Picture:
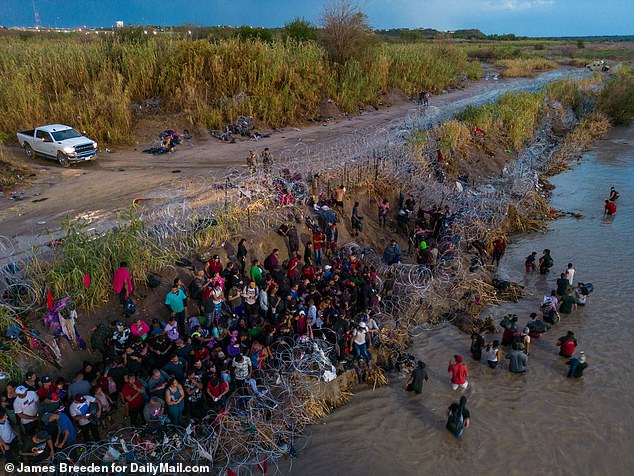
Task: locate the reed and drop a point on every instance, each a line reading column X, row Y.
column 93, row 83
column 524, row 68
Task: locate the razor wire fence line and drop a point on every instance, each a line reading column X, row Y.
column 271, row 422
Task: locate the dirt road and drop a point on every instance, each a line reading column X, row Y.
column 99, row 189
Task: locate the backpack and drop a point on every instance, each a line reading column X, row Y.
column 568, row 347
column 130, row 307
column 548, row 262
column 455, row 423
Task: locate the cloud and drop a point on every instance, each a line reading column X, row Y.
column 515, row 5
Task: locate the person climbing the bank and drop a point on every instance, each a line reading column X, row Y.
column 384, row 208
column 577, row 365
column 545, row 262
column 392, row 253
column 614, row 195
column 499, row 250
column 459, row 373
column 458, row 417
column 340, row 194
column 567, row 344
column 356, row 220
column 529, row 262
column 359, row 340
column 609, row 208
column 417, row 378
column 122, row 283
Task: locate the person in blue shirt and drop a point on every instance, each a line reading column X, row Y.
column 175, row 302
column 60, row 425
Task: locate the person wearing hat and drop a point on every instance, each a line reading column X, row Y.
column 459, row 373
column 359, row 341
column 84, row 410
column 39, row 447
column 59, row 424
column 577, row 365
column 48, row 395
column 26, row 406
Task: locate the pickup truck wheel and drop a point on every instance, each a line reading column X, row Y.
column 28, row 151
column 62, row 159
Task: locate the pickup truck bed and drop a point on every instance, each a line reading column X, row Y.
column 30, row 133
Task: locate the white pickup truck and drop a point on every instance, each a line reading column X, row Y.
column 58, row 142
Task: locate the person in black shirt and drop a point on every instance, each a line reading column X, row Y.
column 40, row 447
column 562, row 285
column 416, row 380
column 458, row 417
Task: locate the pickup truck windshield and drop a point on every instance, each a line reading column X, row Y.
column 67, row 134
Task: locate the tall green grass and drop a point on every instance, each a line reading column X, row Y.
column 92, row 84
column 513, row 118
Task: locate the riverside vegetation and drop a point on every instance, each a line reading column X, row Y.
column 278, row 82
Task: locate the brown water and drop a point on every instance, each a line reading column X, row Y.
column 533, row 424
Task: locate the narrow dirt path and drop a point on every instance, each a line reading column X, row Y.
column 99, row 189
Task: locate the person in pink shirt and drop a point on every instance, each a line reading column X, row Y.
column 122, row 282
column 459, row 373
column 140, row 328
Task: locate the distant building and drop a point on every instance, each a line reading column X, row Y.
column 118, row 24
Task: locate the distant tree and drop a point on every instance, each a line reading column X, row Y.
column 299, row 30
column 250, row 33
column 346, row 31
column 581, row 43
column 411, row 35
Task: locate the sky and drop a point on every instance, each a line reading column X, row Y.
column 522, row 17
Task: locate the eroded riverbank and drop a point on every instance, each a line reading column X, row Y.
column 539, row 423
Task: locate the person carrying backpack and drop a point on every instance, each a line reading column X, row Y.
column 458, row 417
column 545, row 262
column 567, row 344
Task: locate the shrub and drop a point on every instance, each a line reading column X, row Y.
column 515, row 68
column 299, row 30
column 617, row 99
column 345, row 31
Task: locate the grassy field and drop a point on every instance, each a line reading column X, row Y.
column 93, row 83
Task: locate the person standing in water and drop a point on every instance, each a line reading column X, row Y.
column 577, row 365
column 458, row 417
column 477, row 342
column 459, row 373
column 609, row 208
column 545, row 262
column 614, row 195
column 529, row 262
column 570, row 273
column 416, row 380
column 493, row 354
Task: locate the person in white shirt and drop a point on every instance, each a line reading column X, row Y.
column 8, row 440
column 26, row 406
column 85, row 416
column 570, row 273
column 359, row 341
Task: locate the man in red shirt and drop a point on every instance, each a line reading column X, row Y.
column 214, row 266
column 122, row 282
column 499, row 250
column 318, row 244
column 293, row 269
column 610, row 208
column 132, row 393
column 217, row 389
column 459, row 373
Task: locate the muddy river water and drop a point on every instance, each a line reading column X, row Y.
column 540, row 423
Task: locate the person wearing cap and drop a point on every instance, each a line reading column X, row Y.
column 39, row 447
column 26, row 407
column 84, row 413
column 59, row 425
column 577, row 365
column 359, row 341
column 8, row 438
column 459, row 373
